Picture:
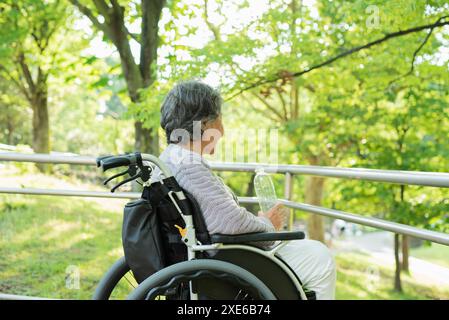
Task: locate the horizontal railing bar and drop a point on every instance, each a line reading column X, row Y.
column 350, row 217
column 430, row 179
column 433, row 236
column 5, row 296
column 420, row 178
column 71, row 193
column 46, row 158
column 395, row 227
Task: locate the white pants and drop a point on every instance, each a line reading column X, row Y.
column 314, row 264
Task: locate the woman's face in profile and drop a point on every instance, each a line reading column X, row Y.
column 213, row 131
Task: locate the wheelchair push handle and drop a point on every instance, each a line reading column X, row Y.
column 110, row 162
column 135, row 161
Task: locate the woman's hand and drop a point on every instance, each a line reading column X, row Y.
column 277, row 215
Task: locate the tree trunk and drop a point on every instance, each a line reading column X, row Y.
column 137, row 76
column 397, row 273
column 41, row 124
column 405, row 253
column 146, row 140
column 149, row 42
column 314, row 195
column 10, row 126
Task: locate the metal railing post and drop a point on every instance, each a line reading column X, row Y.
column 288, row 187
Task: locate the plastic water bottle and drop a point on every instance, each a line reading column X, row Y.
column 265, row 191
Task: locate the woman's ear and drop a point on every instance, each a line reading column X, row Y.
column 210, row 139
column 212, row 131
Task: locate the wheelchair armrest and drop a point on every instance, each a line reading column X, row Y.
column 254, row 237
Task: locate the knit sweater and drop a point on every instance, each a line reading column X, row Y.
column 219, row 206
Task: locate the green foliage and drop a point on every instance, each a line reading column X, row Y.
column 148, row 109
column 39, row 30
column 384, row 107
column 14, row 127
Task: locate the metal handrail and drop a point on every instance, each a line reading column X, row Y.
column 429, row 179
column 433, row 236
column 420, row 178
column 433, row 179
column 6, row 296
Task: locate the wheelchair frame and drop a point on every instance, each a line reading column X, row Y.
column 270, row 254
column 194, row 246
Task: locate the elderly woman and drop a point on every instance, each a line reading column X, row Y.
column 191, row 118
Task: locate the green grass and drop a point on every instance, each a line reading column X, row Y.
column 436, row 253
column 42, row 237
column 360, row 276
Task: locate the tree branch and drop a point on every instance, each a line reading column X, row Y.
column 294, row 104
column 284, row 106
column 114, row 28
column 389, row 36
column 89, row 14
column 271, row 108
column 103, row 8
column 115, row 5
column 251, row 104
column 18, row 83
column 215, row 30
column 135, row 36
column 48, row 32
column 26, row 72
column 412, row 66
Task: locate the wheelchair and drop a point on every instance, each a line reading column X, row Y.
column 214, row 266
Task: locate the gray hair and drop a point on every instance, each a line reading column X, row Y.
column 187, row 102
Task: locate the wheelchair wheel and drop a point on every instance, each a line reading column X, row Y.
column 170, row 279
column 118, row 273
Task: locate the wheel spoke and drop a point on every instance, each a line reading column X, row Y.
column 130, row 283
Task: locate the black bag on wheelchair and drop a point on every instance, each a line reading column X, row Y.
column 141, row 238
column 150, row 235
